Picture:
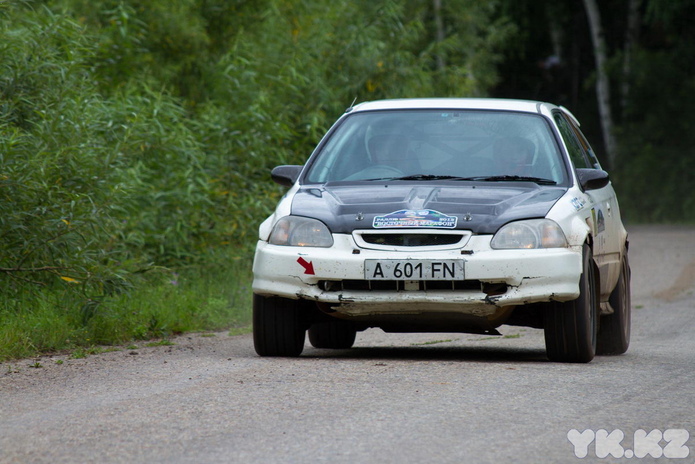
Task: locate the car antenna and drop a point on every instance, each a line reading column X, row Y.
column 351, row 105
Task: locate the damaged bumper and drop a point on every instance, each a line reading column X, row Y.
column 492, row 279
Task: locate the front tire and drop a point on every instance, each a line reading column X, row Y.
column 571, row 327
column 614, row 332
column 278, row 327
column 332, row 334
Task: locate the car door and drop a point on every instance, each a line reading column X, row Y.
column 603, row 215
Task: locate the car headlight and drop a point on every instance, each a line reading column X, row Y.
column 533, row 233
column 301, row 231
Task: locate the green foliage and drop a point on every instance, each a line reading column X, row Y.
column 91, row 188
column 656, row 171
column 53, row 205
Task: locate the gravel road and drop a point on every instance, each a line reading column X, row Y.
column 393, row 398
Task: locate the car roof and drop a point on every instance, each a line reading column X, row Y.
column 500, row 104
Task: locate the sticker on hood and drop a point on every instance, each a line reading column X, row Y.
column 415, row 218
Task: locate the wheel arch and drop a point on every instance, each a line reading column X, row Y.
column 597, row 271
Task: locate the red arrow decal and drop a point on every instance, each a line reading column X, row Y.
column 307, row 265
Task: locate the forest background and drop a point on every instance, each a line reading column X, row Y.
column 136, row 138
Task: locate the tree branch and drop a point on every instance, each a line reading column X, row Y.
column 30, row 269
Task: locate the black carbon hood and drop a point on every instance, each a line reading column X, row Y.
column 480, row 207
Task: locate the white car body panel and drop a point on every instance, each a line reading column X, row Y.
column 531, row 276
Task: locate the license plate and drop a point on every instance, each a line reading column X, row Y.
column 413, row 269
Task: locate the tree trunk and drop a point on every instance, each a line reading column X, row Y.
column 633, row 22
column 602, row 83
column 439, row 25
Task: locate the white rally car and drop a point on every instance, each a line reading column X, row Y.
column 445, row 215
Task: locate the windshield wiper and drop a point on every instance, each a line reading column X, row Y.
column 506, row 178
column 377, row 178
column 420, row 177
column 426, row 177
column 537, row 180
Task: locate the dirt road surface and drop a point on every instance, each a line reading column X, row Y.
column 393, row 398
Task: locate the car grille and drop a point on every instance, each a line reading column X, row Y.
column 412, row 240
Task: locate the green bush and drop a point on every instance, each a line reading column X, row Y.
column 54, row 204
column 656, row 171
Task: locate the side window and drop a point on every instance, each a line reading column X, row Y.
column 587, row 148
column 577, row 152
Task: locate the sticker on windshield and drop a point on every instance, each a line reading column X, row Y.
column 415, row 218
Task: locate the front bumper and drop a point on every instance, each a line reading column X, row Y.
column 494, row 279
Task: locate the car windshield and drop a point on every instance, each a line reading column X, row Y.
column 452, row 145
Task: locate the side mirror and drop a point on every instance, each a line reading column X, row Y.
column 592, row 179
column 286, row 175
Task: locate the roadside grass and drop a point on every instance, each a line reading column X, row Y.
column 503, row 337
column 198, row 298
column 432, row 342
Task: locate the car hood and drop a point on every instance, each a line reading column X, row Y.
column 480, row 207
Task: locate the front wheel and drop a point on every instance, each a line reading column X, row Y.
column 571, row 327
column 332, row 334
column 614, row 332
column 278, row 327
